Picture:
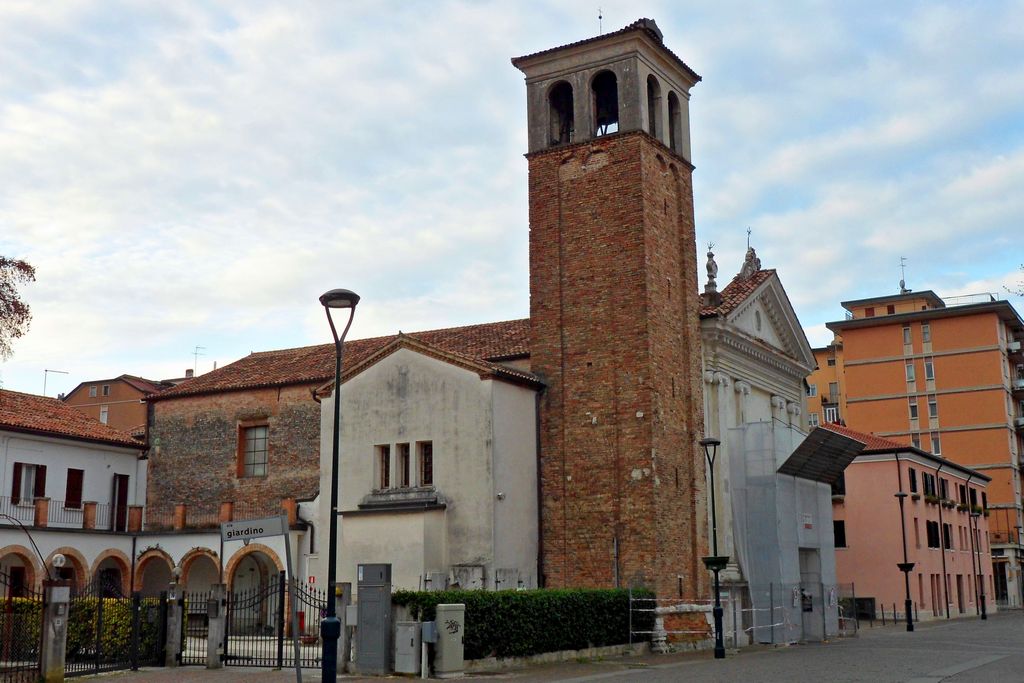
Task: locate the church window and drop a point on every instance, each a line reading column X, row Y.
column 403, row 465
column 383, row 467
column 653, row 106
column 606, row 103
column 757, row 320
column 426, row 458
column 560, row 113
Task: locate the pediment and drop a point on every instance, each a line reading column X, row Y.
column 768, row 317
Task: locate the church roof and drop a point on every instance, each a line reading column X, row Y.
column 51, row 417
column 488, row 342
column 647, row 26
column 736, row 292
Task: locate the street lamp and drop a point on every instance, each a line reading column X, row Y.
column 905, row 566
column 330, row 626
column 715, row 562
column 974, row 518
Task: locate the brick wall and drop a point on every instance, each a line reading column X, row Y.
column 196, row 461
column 615, row 335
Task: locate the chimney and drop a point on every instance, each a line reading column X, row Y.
column 189, row 373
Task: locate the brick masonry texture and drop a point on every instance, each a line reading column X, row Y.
column 615, row 335
column 196, row 460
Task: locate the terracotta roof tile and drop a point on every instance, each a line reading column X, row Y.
column 315, row 364
column 736, row 292
column 870, row 441
column 51, row 417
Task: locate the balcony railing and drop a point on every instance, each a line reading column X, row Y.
column 59, row 514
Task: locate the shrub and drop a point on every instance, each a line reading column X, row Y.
column 520, row 623
column 116, row 629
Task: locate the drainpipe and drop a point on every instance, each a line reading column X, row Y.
column 540, row 494
column 942, row 541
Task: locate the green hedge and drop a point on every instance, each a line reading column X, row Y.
column 116, row 634
column 24, row 623
column 520, row 623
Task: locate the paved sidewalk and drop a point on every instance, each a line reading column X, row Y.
column 960, row 650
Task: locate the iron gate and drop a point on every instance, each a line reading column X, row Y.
column 258, row 630
column 21, row 623
column 108, row 631
column 195, row 627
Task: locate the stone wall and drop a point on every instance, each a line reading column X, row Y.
column 194, row 450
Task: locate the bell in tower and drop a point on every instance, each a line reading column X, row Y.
column 618, row 82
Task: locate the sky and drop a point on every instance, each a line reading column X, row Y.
column 196, row 174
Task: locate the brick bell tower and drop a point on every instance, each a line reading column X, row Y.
column 615, row 313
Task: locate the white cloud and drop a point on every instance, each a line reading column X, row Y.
column 198, row 173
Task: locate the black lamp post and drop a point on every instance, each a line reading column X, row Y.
column 330, row 626
column 715, row 562
column 905, row 566
column 974, row 518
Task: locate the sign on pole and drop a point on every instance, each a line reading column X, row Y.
column 248, row 529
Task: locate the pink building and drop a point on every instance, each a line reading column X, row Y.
column 947, row 556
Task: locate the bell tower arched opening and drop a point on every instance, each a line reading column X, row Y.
column 605, row 89
column 560, row 114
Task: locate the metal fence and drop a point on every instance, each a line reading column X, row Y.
column 779, row 614
column 108, row 630
column 21, row 619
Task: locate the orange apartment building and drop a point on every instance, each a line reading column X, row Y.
column 118, row 401
column 943, row 376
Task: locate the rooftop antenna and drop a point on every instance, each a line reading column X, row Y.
column 46, row 374
column 903, row 275
column 600, row 25
column 748, row 237
column 195, row 357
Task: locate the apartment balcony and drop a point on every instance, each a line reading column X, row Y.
column 47, row 513
column 1018, row 422
column 1017, row 384
column 42, row 512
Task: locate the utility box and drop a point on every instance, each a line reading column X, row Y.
column 448, row 653
column 373, row 633
column 407, row 647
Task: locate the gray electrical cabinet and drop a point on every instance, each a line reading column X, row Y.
column 407, row 647
column 373, row 633
column 451, row 629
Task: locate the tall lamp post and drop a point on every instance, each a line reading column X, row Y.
column 715, row 562
column 974, row 518
column 330, row 627
column 905, row 566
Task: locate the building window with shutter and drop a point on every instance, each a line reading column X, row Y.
column 912, row 474
column 73, row 493
column 104, row 414
column 28, row 482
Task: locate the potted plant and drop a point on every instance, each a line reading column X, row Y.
column 915, row 496
column 930, row 499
